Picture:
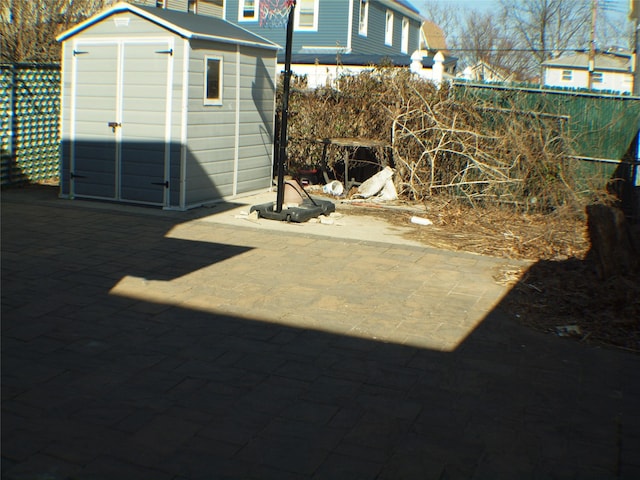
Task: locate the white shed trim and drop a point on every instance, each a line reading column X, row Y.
column 184, row 109
column 167, row 125
column 236, row 143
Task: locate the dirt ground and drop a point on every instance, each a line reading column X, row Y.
column 561, row 294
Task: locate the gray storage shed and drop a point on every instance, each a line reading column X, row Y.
column 165, row 108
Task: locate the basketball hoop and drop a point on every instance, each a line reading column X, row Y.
column 275, row 13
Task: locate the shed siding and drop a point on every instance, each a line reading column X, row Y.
column 141, row 88
column 212, row 129
column 226, row 148
column 256, row 120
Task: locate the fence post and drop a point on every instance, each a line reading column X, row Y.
column 12, row 123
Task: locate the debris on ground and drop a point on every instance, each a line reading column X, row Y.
column 421, row 221
column 562, row 285
column 380, row 185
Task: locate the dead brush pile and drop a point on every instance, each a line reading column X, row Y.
column 442, row 146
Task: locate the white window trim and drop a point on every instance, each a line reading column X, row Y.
column 404, row 44
column 241, row 9
column 566, row 75
column 213, row 101
column 388, row 28
column 296, row 18
column 597, row 77
column 363, row 17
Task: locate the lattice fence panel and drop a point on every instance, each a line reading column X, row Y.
column 29, row 117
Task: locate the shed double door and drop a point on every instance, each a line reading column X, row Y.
column 121, row 120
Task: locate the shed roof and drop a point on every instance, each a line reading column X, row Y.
column 185, row 24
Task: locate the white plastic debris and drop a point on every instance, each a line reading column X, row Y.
column 373, row 185
column 388, row 192
column 334, row 188
column 421, row 221
column 252, row 217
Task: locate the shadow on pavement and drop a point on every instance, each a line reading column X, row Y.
column 100, row 386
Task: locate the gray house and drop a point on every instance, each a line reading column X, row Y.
column 165, row 108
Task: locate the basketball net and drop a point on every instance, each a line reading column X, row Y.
column 275, row 13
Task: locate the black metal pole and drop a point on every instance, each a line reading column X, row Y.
column 282, row 147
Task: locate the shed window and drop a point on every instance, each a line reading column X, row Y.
column 597, row 77
column 306, row 15
column 388, row 28
column 404, row 46
column 567, row 75
column 248, row 10
column 213, row 81
column 364, row 17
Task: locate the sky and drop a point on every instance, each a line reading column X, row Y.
column 488, row 5
column 616, row 11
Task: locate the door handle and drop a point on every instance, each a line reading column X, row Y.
column 113, row 126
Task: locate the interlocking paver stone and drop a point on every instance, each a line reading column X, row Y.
column 141, row 344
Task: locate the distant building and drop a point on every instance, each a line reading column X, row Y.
column 612, row 71
column 484, row 72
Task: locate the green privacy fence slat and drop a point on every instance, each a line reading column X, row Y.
column 29, row 121
column 603, row 126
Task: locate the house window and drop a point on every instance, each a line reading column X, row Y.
column 597, row 77
column 306, row 15
column 160, row 3
column 388, row 28
column 248, row 10
column 191, row 6
column 213, row 81
column 364, row 17
column 404, row 46
column 567, row 75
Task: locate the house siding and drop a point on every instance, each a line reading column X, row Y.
column 333, row 29
column 374, row 42
column 611, row 81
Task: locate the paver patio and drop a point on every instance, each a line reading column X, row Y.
column 143, row 344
